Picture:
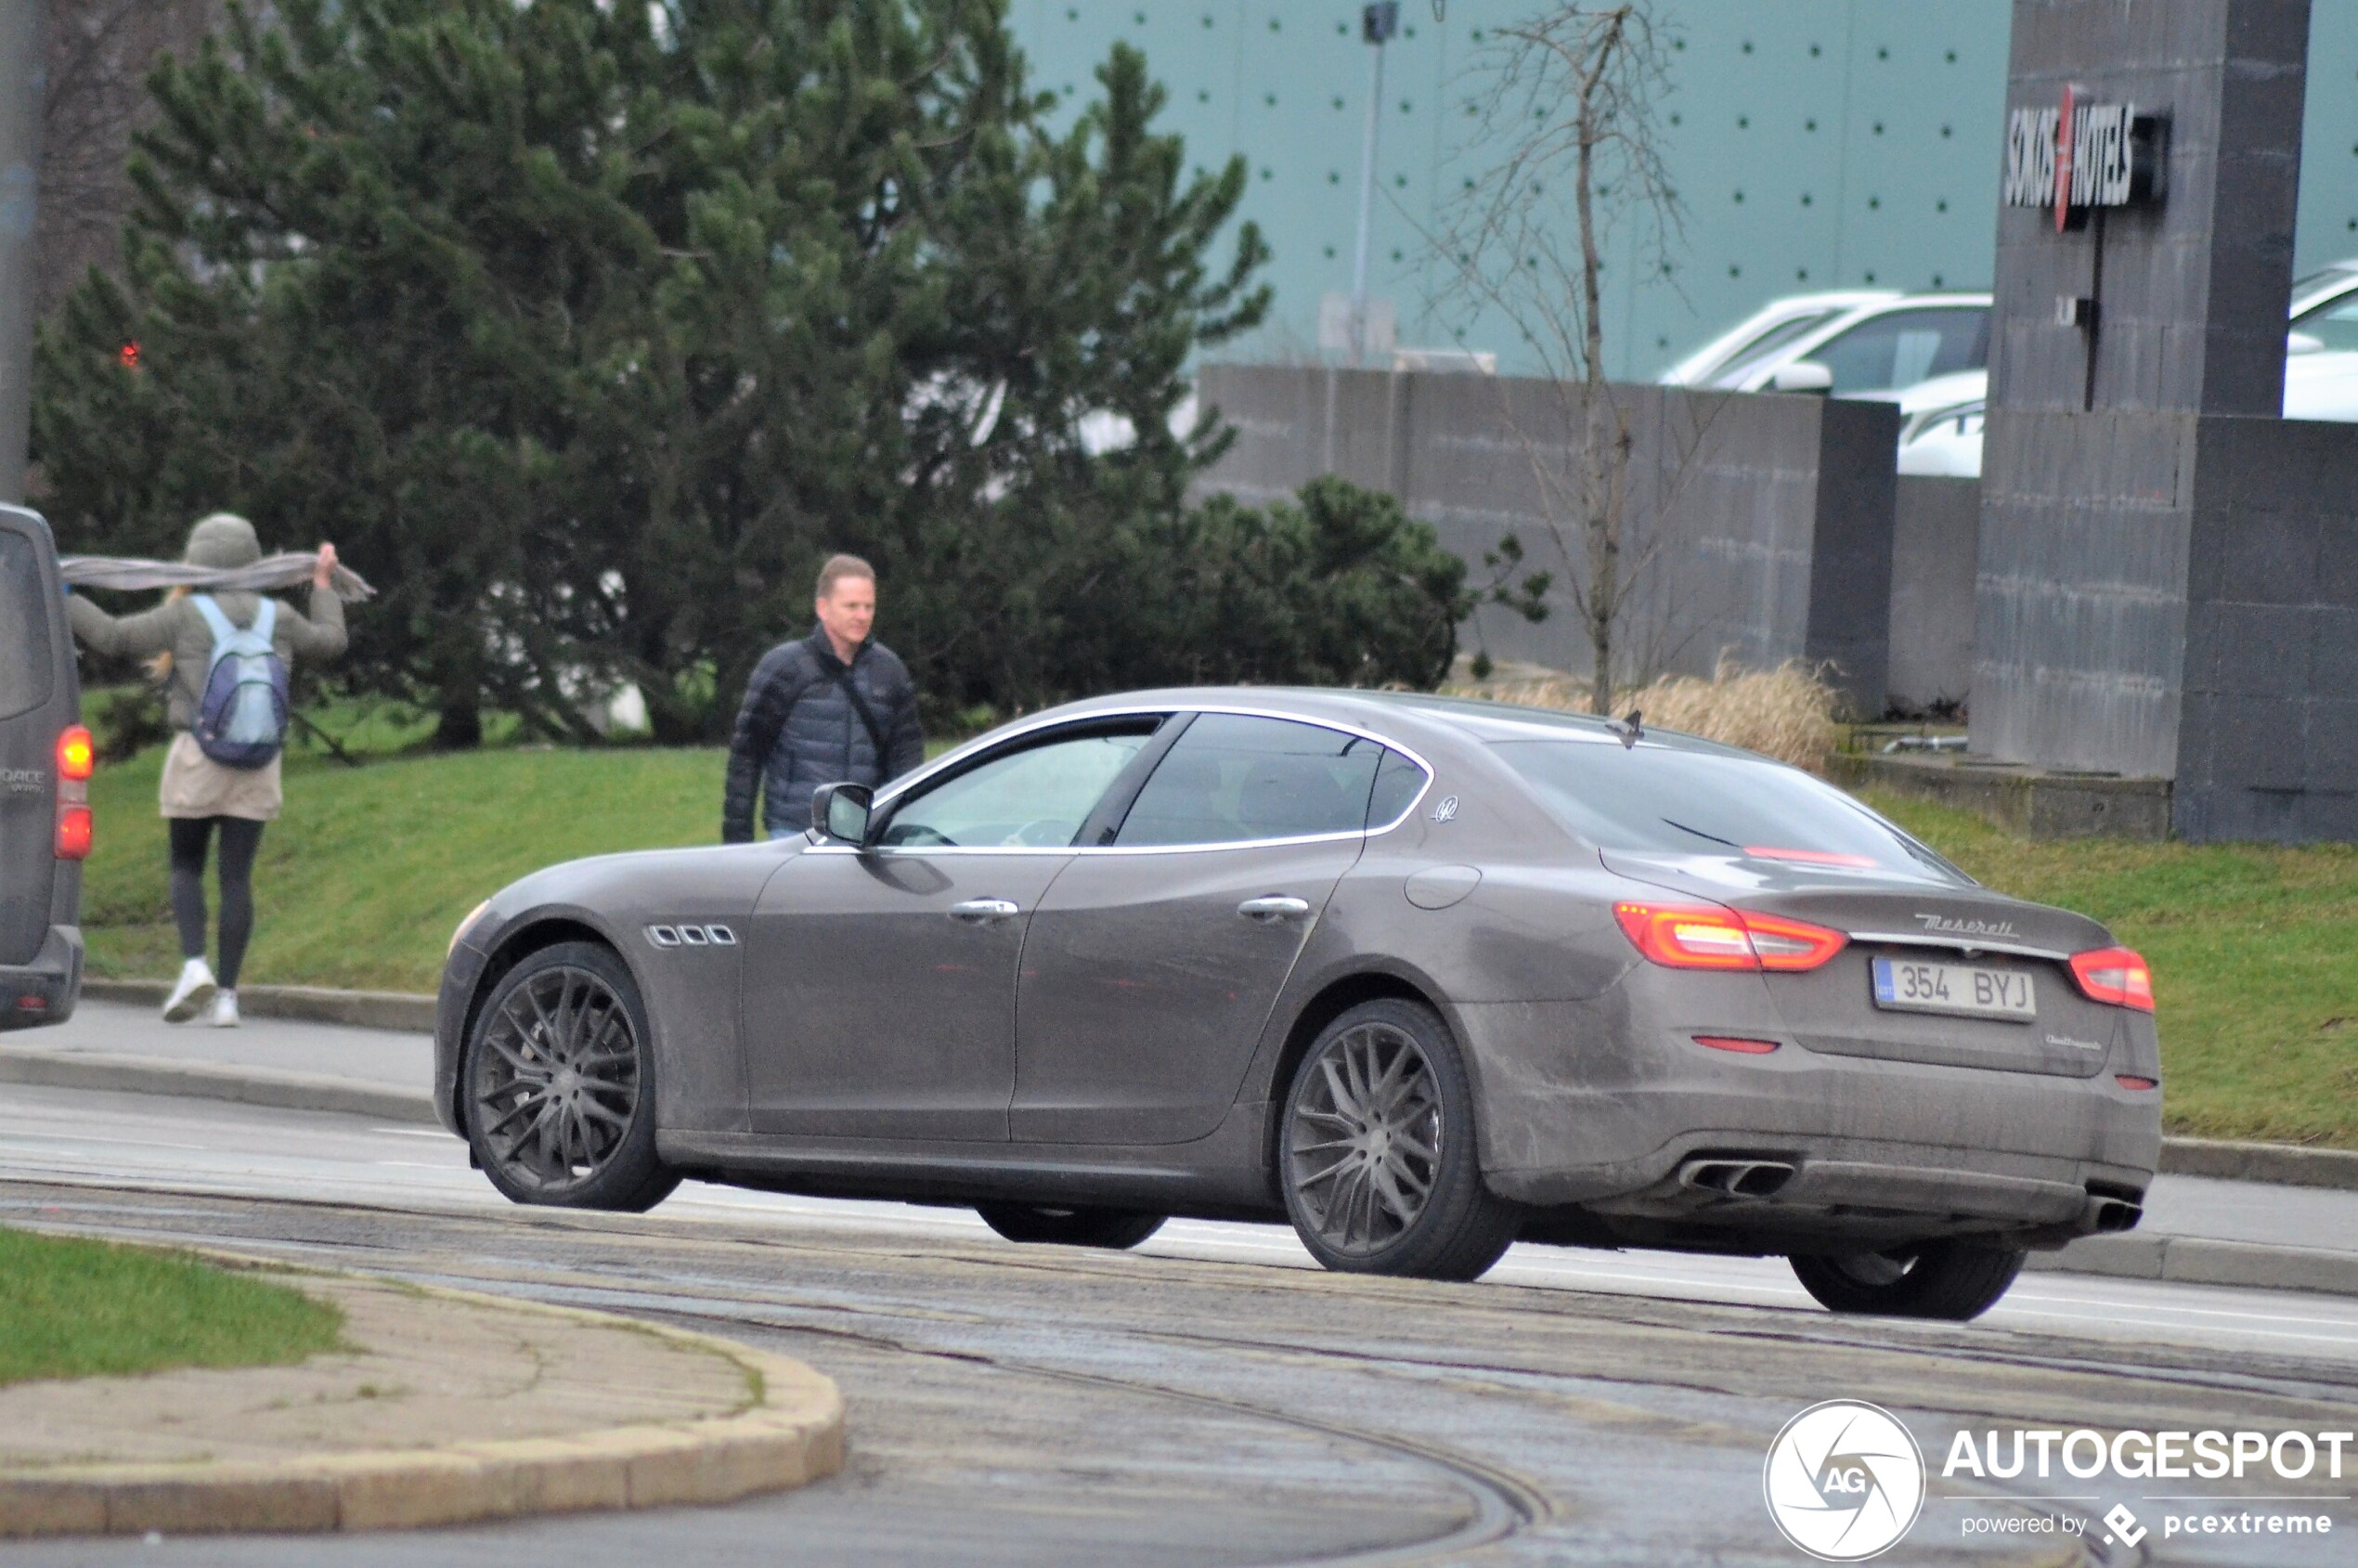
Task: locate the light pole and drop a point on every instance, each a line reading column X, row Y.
column 23, row 80
column 1377, row 22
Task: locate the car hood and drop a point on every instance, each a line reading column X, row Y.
column 1867, row 906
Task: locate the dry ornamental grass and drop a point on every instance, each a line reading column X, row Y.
column 1787, row 713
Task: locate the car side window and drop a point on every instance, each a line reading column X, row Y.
column 1905, row 347
column 1397, row 781
column 1037, row 798
column 1233, row 779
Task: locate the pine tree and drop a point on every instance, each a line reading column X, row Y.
column 589, row 331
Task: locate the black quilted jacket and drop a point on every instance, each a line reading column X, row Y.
column 797, row 731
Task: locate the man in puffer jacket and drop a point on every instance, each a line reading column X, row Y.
column 834, row 707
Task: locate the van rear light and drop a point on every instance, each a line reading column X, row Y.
column 2135, row 1080
column 73, row 833
column 2116, row 975
column 1710, row 936
column 76, row 756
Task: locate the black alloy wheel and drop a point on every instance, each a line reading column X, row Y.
column 1114, row 1229
column 1952, row 1280
column 1377, row 1155
column 558, row 1094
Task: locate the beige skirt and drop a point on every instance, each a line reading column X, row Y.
column 195, row 785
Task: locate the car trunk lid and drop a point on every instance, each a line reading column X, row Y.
column 1833, row 1009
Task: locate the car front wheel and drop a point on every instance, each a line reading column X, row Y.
column 1953, row 1280
column 1376, row 1153
column 559, row 1093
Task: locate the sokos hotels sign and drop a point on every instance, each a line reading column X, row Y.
column 2078, row 156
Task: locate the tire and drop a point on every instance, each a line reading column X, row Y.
column 1392, row 1186
column 1114, row 1229
column 543, row 1129
column 1952, row 1280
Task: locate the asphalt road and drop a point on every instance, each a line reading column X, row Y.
column 1212, row 1398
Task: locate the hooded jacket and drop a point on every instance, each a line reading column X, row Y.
column 797, row 730
column 178, row 628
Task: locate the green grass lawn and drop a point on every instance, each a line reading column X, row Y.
column 362, row 880
column 71, row 1308
column 2255, row 966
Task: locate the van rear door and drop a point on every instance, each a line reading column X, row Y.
column 40, row 700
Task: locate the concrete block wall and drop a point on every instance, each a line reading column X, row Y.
column 1762, row 524
column 2269, row 742
column 1936, row 526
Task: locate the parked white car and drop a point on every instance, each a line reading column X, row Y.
column 1940, row 422
column 1878, row 344
column 1771, row 328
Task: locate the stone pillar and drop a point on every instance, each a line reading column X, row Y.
column 2133, row 505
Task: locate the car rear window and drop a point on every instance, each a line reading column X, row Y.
column 25, row 627
column 1665, row 799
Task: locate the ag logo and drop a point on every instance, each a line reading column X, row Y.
column 1446, row 810
column 1844, row 1480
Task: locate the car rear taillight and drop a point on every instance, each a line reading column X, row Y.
column 73, row 833
column 77, row 759
column 2115, row 975
column 1709, row 936
column 2136, row 1081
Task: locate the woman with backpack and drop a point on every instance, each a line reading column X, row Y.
column 226, row 657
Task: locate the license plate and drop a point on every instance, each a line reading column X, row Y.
column 1908, row 986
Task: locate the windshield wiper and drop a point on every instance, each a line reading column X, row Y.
column 1701, row 834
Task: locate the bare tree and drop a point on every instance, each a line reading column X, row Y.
column 99, row 54
column 1569, row 102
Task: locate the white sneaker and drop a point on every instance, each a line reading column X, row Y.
column 191, row 995
column 225, row 1010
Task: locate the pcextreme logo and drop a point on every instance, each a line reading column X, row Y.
column 1844, row 1480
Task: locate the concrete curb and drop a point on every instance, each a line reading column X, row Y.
column 2285, row 1164
column 159, row 1075
column 792, row 1436
column 394, row 1010
column 2195, row 1260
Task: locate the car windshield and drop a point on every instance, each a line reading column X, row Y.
column 1906, row 347
column 1745, row 355
column 1671, row 800
column 2333, row 323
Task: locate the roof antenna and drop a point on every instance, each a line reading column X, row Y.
column 1628, row 729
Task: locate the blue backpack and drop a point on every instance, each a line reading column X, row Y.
column 242, row 719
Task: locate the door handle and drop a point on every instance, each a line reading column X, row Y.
column 981, row 911
column 1269, row 911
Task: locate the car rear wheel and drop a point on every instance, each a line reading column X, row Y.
column 1952, row 1279
column 560, row 1099
column 1376, row 1154
column 1114, row 1230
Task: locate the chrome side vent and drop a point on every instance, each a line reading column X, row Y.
column 691, row 936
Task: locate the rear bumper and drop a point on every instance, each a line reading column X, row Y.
column 1583, row 1106
column 46, row 990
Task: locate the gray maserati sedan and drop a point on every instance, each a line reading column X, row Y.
column 1419, row 976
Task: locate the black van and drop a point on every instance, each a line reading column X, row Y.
column 44, row 788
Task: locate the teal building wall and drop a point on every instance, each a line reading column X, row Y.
column 1815, row 144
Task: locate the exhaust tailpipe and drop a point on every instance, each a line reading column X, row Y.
column 1736, row 1178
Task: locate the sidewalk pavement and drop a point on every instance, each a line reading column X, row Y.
column 442, row 1407
column 2199, row 1229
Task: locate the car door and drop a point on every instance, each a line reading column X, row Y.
column 1152, row 964
column 879, row 990
column 40, row 881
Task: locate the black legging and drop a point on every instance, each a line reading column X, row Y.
column 239, row 840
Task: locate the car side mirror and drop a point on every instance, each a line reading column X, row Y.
column 1802, row 375
column 840, row 811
